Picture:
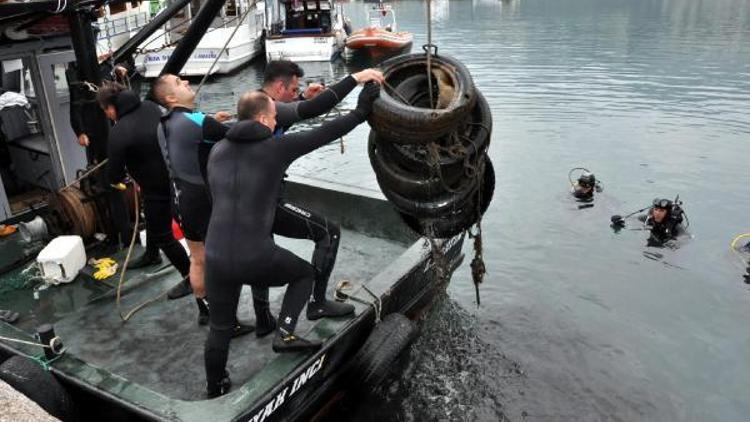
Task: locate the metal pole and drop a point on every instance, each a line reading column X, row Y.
column 192, row 37
column 159, row 20
column 87, row 65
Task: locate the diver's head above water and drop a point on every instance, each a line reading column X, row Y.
column 662, row 209
column 585, row 186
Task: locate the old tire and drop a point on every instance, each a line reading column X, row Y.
column 461, row 219
column 471, row 137
column 373, row 361
column 405, row 182
column 28, row 378
column 407, row 124
column 435, row 207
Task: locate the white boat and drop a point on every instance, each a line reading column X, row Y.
column 244, row 45
column 116, row 24
column 304, row 30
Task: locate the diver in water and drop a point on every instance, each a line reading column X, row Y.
column 583, row 189
column 665, row 221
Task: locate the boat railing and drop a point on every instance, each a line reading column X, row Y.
column 126, row 24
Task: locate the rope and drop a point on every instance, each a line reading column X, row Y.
column 429, row 52
column 218, row 56
column 478, row 269
column 340, row 296
column 398, row 94
column 85, row 175
column 147, row 302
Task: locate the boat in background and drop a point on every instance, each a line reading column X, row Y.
column 380, row 38
column 304, row 31
column 244, row 45
column 116, row 23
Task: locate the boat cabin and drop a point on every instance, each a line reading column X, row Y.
column 301, row 17
column 39, row 152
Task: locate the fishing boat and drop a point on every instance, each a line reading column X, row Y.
column 380, row 37
column 68, row 348
column 304, row 30
column 239, row 26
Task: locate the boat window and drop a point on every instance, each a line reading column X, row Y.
column 311, row 5
column 61, row 83
column 325, row 6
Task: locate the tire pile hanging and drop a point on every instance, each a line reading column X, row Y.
column 428, row 144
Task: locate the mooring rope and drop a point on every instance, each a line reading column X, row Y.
column 429, row 52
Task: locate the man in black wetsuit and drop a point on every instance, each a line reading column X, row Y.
column 665, row 221
column 281, row 83
column 185, row 138
column 133, row 146
column 245, row 173
column 584, row 188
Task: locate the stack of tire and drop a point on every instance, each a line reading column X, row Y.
column 430, row 154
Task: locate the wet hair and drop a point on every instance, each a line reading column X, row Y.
column 283, row 70
column 253, row 103
column 160, row 90
column 107, row 94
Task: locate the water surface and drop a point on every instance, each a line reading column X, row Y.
column 576, row 323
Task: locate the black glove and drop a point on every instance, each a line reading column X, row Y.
column 370, row 93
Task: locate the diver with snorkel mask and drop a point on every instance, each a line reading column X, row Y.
column 583, row 189
column 665, row 220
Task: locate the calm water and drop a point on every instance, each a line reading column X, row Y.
column 576, row 323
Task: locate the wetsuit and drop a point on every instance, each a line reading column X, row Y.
column 245, row 173
column 668, row 229
column 186, row 138
column 133, row 145
column 295, row 221
column 581, row 195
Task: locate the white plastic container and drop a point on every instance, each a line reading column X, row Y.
column 62, row 259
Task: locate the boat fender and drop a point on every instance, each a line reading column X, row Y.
column 39, row 385
column 373, row 361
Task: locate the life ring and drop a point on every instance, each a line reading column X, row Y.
column 453, row 90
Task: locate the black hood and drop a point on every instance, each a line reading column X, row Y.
column 126, row 102
column 248, row 131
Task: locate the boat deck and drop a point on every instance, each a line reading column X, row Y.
column 161, row 347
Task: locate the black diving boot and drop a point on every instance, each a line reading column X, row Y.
column 145, row 260
column 220, row 388
column 265, row 323
column 241, row 328
column 328, row 308
column 289, row 343
column 203, row 315
column 179, row 290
